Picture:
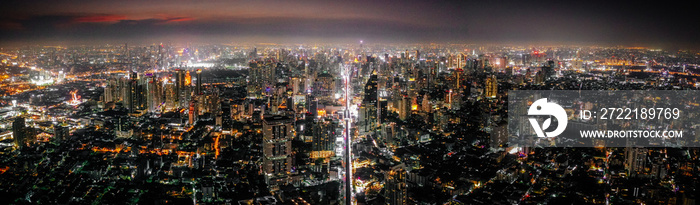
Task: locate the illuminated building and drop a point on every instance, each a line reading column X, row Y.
column 404, row 108
column 19, row 132
column 635, row 160
column 382, row 110
column 60, row 132
column 324, row 86
column 277, row 149
column 491, row 87
column 395, row 187
column 110, row 90
column 425, row 104
column 368, row 108
column 181, row 88
column 261, row 76
column 188, row 79
column 199, row 82
column 312, row 105
column 192, row 112
column 324, row 135
column 226, row 120
column 154, row 90
column 170, row 95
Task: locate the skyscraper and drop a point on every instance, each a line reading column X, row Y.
column 491, row 87
column 192, row 112
column 199, row 82
column 395, row 186
column 19, row 132
column 154, row 90
column 180, row 88
column 324, row 135
column 277, row 149
column 368, row 108
column 226, row 120
column 60, row 132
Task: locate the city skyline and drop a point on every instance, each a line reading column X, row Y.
column 349, row 102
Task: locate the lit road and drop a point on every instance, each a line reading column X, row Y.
column 348, row 146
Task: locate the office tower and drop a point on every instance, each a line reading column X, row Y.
column 170, row 89
column 277, row 149
column 324, row 86
column 109, row 91
column 255, row 82
column 123, row 127
column 635, row 160
column 19, row 132
column 425, row 104
column 188, row 79
column 404, row 108
column 199, row 90
column 324, row 135
column 226, row 120
column 60, row 132
column 382, row 110
column 312, row 105
column 491, row 87
column 134, row 94
column 395, row 186
column 192, row 112
column 154, row 90
column 368, row 108
column 180, row 87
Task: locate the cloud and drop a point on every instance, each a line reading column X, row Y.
column 178, row 19
column 99, row 18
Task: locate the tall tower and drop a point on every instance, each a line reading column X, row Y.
column 180, row 87
column 19, row 132
column 277, row 149
column 60, row 132
column 369, row 105
column 192, row 114
column 491, row 87
column 134, row 93
column 199, row 82
column 395, row 185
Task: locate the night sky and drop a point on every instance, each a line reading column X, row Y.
column 662, row 24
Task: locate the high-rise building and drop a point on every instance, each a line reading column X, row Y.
column 109, row 91
column 170, row 94
column 425, row 104
column 19, row 132
column 324, row 135
column 278, row 132
column 324, row 87
column 404, row 108
column 192, row 112
column 368, row 108
column 60, row 132
column 635, row 160
column 395, row 186
column 199, row 82
column 491, row 87
column 154, row 90
column 180, row 88
column 312, row 105
column 226, row 120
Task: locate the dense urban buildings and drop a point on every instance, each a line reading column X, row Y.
column 422, row 129
column 419, row 117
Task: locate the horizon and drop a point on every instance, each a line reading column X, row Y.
column 671, row 26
